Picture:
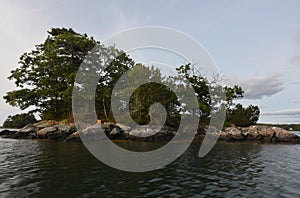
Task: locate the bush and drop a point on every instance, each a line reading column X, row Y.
column 243, row 117
column 19, row 120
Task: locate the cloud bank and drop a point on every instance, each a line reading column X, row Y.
column 287, row 112
column 260, row 86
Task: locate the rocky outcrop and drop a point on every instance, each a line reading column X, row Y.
column 41, row 130
column 258, row 133
column 67, row 132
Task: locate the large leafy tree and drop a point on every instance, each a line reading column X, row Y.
column 46, row 75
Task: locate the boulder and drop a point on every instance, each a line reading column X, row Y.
column 74, row 137
column 44, row 124
column 235, row 133
column 46, row 132
column 253, row 133
column 64, row 130
column 29, row 128
column 285, row 136
column 115, row 133
column 222, row 135
column 26, row 132
column 8, row 133
column 142, row 133
column 94, row 133
column 123, row 127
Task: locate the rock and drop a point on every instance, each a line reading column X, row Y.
column 8, row 133
column 74, row 137
column 46, row 132
column 151, row 134
column 267, row 132
column 26, row 132
column 44, row 124
column 115, row 133
column 94, row 133
column 222, row 135
column 285, row 136
column 123, row 127
column 260, row 133
column 253, row 133
column 142, row 133
column 27, row 129
column 64, row 130
column 235, row 133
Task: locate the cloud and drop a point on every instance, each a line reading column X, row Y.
column 287, row 112
column 260, row 86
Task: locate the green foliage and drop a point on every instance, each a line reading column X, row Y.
column 203, row 89
column 149, row 94
column 240, row 116
column 45, row 78
column 108, row 78
column 19, row 120
column 46, row 74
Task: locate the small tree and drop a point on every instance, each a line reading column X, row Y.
column 241, row 116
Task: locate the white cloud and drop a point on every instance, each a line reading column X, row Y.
column 22, row 26
column 286, row 112
column 259, row 86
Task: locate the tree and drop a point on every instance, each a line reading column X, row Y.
column 108, row 77
column 203, row 89
column 19, row 120
column 154, row 90
column 46, row 74
column 241, row 116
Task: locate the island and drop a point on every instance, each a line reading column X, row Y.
column 46, row 81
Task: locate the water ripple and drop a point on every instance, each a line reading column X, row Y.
column 48, row 169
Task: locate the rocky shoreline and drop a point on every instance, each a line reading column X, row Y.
column 52, row 130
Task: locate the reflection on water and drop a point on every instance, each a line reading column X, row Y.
column 47, row 169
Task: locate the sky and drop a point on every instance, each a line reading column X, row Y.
column 255, row 43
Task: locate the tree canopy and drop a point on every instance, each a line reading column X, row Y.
column 46, row 75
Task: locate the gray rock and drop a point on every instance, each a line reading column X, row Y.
column 236, row 134
column 123, row 127
column 44, row 124
column 74, row 137
column 285, row 136
column 29, row 128
column 93, row 133
column 253, row 133
column 45, row 132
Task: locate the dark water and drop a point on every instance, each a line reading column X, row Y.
column 56, row 169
